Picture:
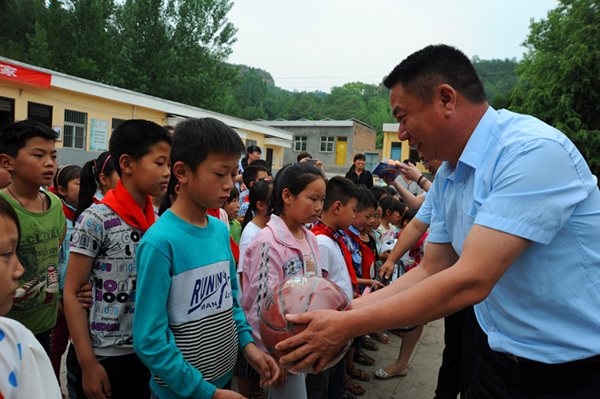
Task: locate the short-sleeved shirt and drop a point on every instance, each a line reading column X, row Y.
column 102, row 234
column 424, row 214
column 520, row 176
column 332, row 261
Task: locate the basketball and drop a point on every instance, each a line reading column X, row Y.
column 297, row 294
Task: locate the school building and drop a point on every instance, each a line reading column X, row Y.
column 333, row 142
column 85, row 113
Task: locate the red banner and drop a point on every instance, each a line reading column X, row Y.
column 24, row 75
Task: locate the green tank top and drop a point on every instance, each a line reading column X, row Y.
column 36, row 301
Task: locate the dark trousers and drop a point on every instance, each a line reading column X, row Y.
column 328, row 384
column 45, row 339
column 128, row 376
column 456, row 371
column 497, row 376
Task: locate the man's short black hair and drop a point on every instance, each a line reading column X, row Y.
column 14, row 136
column 340, row 189
column 303, row 155
column 135, row 137
column 195, row 139
column 433, row 65
column 366, row 200
column 254, row 148
column 251, row 173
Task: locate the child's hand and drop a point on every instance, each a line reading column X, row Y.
column 386, row 270
column 384, row 255
column 283, row 372
column 95, row 381
column 266, row 366
column 84, row 296
column 377, row 285
column 226, row 394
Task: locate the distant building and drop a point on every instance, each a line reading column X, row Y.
column 85, row 112
column 395, row 149
column 333, row 142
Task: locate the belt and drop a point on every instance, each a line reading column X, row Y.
column 594, row 360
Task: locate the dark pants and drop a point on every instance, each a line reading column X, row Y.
column 497, row 376
column 45, row 339
column 328, row 384
column 128, row 376
column 456, row 370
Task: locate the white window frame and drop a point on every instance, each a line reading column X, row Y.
column 327, row 144
column 75, row 130
column 300, row 143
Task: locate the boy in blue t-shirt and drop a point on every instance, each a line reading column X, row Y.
column 188, row 324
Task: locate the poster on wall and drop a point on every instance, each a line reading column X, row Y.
column 58, row 129
column 99, row 135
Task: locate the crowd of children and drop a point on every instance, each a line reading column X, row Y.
column 125, row 258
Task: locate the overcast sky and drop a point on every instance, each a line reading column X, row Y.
column 317, row 44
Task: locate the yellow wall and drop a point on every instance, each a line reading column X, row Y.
column 392, row 137
column 59, row 99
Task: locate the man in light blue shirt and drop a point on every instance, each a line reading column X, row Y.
column 515, row 227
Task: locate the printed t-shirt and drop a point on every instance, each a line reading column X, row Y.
column 310, row 263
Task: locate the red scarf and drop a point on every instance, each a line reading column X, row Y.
column 69, row 213
column 235, row 249
column 321, row 228
column 367, row 258
column 120, row 201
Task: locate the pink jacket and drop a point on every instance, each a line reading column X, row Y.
column 272, row 256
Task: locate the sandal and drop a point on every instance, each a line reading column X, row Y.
column 368, row 344
column 381, row 337
column 348, row 395
column 352, row 387
column 358, row 374
column 364, row 359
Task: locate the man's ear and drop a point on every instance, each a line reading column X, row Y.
column 126, row 164
column 7, row 162
column 181, row 172
column 447, row 96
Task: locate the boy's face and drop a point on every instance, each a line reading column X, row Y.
column 377, row 218
column 151, row 172
column 35, row 163
column 209, row 185
column 5, row 177
column 362, row 218
column 261, row 175
column 10, row 267
column 394, row 216
column 346, row 214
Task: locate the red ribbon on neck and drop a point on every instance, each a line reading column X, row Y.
column 121, row 201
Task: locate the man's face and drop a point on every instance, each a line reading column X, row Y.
column 420, row 122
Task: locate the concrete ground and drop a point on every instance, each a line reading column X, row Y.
column 422, row 369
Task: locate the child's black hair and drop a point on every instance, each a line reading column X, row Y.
column 135, row 137
column 408, row 215
column 391, row 190
column 233, row 193
column 295, row 177
column 379, row 192
column 390, row 203
column 366, row 200
column 7, row 210
column 195, row 139
column 14, row 136
column 166, row 202
column 89, row 180
column 251, row 173
column 260, row 192
column 64, row 175
column 340, row 189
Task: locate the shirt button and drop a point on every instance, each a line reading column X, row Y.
column 492, row 329
column 460, row 184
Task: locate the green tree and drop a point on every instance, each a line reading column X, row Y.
column 559, row 77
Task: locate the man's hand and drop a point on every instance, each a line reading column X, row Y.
column 318, row 344
column 84, row 296
column 386, row 270
column 410, row 171
column 227, row 394
column 266, row 366
column 95, row 381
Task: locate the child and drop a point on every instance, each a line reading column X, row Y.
column 259, row 206
column 232, row 206
column 27, row 151
column 25, row 370
column 66, row 187
column 391, row 209
column 103, row 248
column 188, row 325
column 252, row 174
column 97, row 177
column 338, row 214
column 5, row 178
column 283, row 249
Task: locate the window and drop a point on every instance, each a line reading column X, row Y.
column 115, row 123
column 7, row 111
column 299, row 143
column 250, row 143
column 75, row 129
column 327, row 144
column 40, row 113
